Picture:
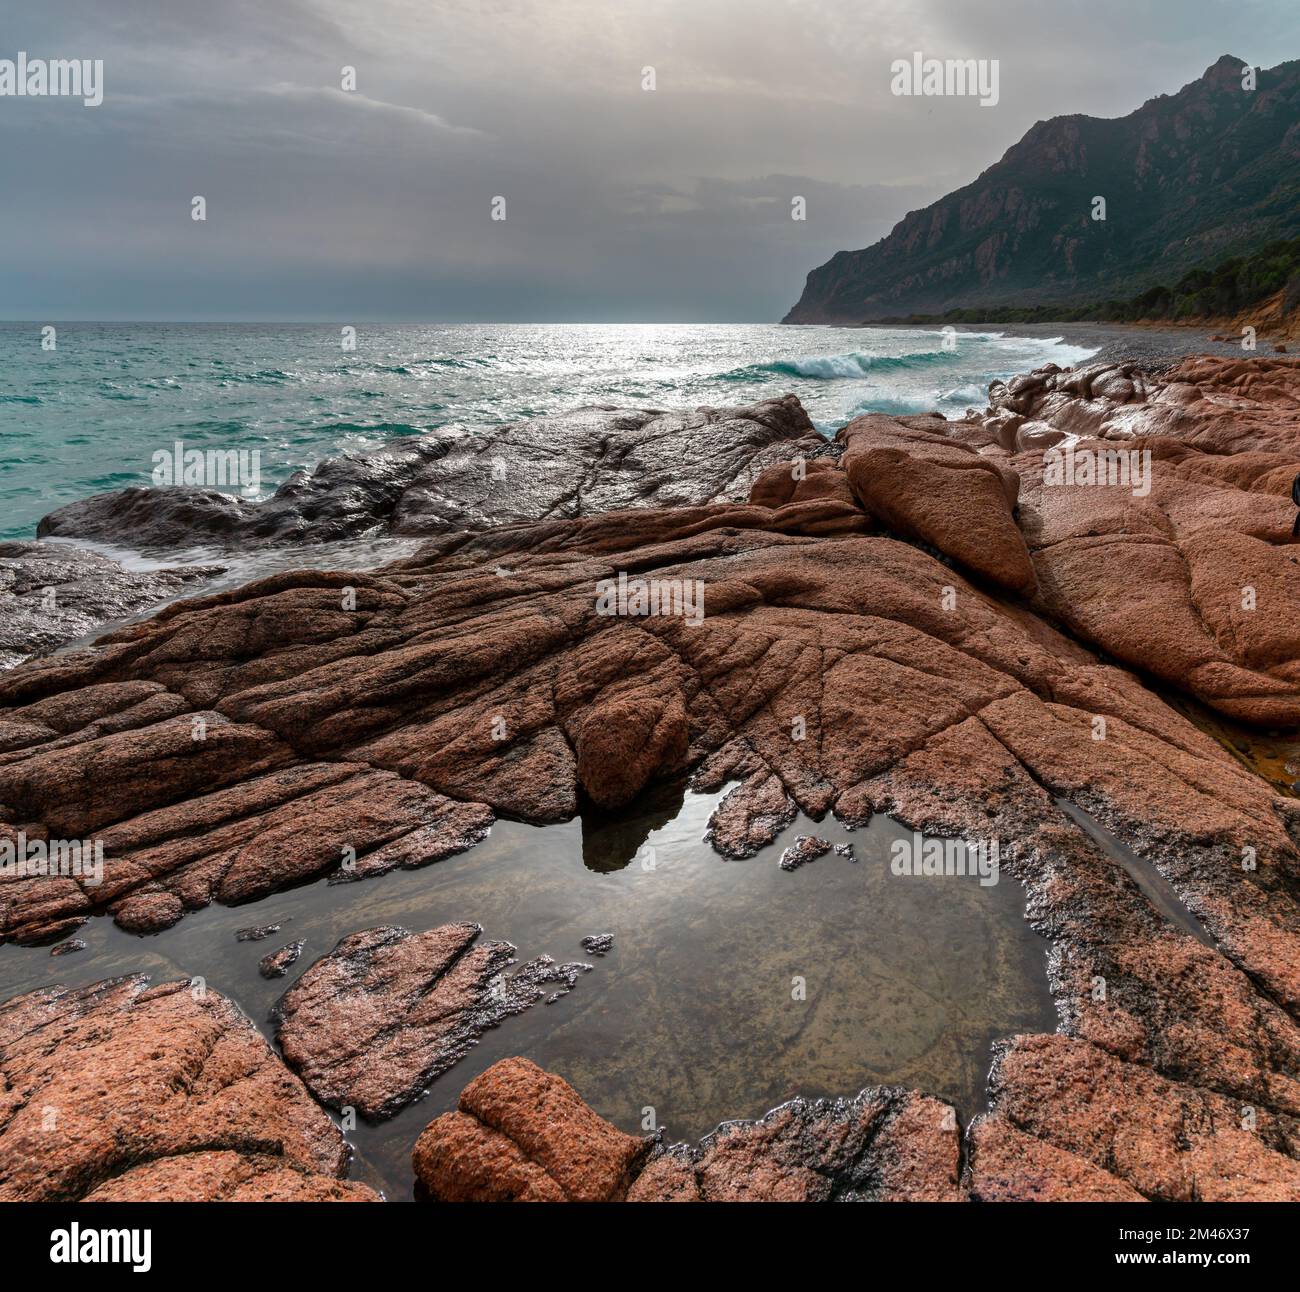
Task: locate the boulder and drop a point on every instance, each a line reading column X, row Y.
column 370, row 1025
column 564, row 465
column 524, row 1135
column 125, row 1092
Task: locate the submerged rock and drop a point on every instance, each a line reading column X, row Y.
column 598, row 944
column 805, row 848
column 370, row 1025
column 54, row 593
column 257, row 932
column 278, row 963
column 125, row 1092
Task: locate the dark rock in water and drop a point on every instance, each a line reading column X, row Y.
column 124, row 1092
column 371, row 1024
column 257, row 932
column 70, row 947
column 521, row 1134
column 54, row 593
column 845, row 850
column 567, row 465
column 598, row 944
column 751, row 816
column 278, row 963
column 804, row 849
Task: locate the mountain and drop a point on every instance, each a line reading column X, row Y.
column 1189, row 178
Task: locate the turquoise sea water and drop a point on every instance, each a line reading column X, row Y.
column 89, row 415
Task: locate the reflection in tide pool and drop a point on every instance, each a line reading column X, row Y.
column 730, row 987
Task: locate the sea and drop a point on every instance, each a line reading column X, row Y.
column 85, row 409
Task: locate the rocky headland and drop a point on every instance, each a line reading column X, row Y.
column 919, row 619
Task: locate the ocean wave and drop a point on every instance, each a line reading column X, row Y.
column 391, row 429
column 833, row 367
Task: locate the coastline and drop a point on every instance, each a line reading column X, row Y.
column 490, row 621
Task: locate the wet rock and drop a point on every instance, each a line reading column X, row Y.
column 751, row 816
column 278, row 963
column 598, row 944
column 1166, row 1140
column 883, row 1145
column 845, row 850
column 524, row 1135
column 370, row 1025
column 70, row 947
column 804, row 849
column 257, row 932
column 55, row 593
column 572, row 464
column 124, row 1091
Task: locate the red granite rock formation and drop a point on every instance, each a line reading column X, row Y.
column 241, row 742
column 126, row 1092
column 371, row 1024
column 524, row 1135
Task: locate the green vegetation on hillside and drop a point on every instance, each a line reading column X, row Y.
column 1220, row 292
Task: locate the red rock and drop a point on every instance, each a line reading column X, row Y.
column 370, row 1025
column 226, row 1177
column 927, row 486
column 1167, row 1140
column 125, row 1092
column 1009, row 1166
column 524, row 1135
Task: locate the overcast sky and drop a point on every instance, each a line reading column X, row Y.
column 622, row 204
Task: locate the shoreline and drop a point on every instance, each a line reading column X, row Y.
column 948, row 667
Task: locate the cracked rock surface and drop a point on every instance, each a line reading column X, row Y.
column 522, row 1134
column 125, row 1092
column 370, row 1025
column 836, row 668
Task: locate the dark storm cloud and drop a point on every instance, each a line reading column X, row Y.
column 622, row 204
